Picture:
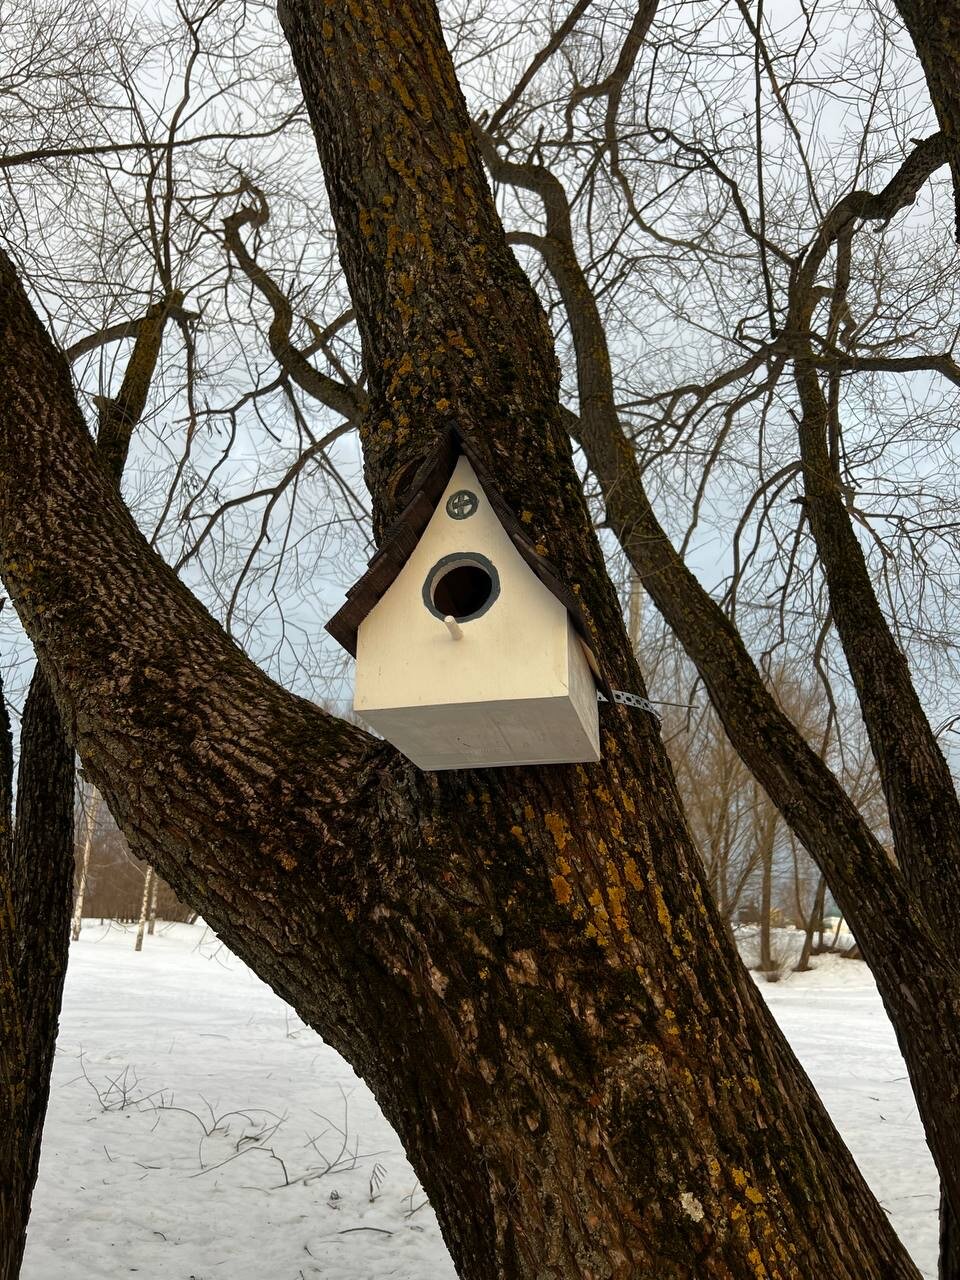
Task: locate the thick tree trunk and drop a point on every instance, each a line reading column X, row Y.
column 38, row 881
column 36, row 877
column 522, row 963
column 905, row 927
column 949, row 1268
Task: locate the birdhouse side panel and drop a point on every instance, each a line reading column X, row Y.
column 583, row 691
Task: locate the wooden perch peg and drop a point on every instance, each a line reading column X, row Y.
column 456, row 631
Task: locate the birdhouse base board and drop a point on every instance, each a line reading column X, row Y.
column 487, row 735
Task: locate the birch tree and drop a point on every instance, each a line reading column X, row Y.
column 90, row 810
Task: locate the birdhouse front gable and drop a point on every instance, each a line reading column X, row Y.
column 468, row 659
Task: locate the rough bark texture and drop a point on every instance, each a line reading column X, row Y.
column 921, row 798
column 522, row 963
column 36, row 880
column 37, row 871
column 949, row 1260
column 903, row 919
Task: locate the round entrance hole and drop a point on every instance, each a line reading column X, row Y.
column 462, row 591
column 461, row 586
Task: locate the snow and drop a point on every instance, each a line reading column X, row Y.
column 197, row 1129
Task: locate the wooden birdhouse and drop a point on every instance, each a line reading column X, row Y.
column 470, row 651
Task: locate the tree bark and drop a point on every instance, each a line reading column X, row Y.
column 522, row 963
column 949, row 1259
column 935, row 32
column 38, row 870
column 37, row 884
column 904, row 927
column 152, row 918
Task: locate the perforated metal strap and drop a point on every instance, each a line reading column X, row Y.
column 632, row 700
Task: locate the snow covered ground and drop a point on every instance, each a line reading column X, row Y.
column 197, row 1130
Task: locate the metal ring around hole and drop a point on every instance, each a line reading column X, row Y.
column 452, row 561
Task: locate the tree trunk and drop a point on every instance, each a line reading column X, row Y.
column 37, row 880
column 935, row 32
column 142, row 920
column 37, row 873
column 152, row 918
column 522, row 963
column 766, row 910
column 905, row 927
column 949, row 1268
column 90, row 814
column 816, row 914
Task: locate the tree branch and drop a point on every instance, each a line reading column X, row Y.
column 342, row 398
column 796, row 779
column 921, row 797
column 120, row 414
column 199, row 755
column 117, row 333
column 935, row 31
column 871, row 892
column 541, row 59
column 40, row 155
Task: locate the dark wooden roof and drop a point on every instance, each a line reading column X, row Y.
column 406, row 531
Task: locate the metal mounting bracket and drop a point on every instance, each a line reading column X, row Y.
column 632, row 700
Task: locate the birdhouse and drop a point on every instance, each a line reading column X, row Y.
column 470, row 651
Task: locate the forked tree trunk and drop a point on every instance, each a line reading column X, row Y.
column 905, row 923
column 522, row 963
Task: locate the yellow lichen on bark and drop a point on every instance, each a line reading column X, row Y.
column 632, row 875
column 557, row 826
column 561, row 889
column 663, row 915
